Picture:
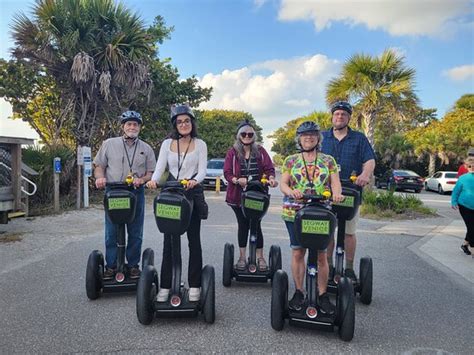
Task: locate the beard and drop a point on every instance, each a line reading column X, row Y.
column 131, row 135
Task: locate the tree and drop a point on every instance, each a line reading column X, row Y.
column 218, row 129
column 36, row 100
column 375, row 85
column 466, row 101
column 98, row 54
column 284, row 142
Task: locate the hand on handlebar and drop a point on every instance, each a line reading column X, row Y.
column 190, row 184
column 242, row 182
column 338, row 198
column 137, row 182
column 296, row 194
column 362, row 180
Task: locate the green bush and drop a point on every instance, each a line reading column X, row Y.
column 389, row 204
column 41, row 160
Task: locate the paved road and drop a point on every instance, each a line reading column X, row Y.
column 417, row 309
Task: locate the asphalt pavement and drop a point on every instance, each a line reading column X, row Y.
column 422, row 300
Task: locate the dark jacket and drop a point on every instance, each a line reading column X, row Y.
column 232, row 169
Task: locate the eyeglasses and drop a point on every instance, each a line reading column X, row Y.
column 247, row 134
column 183, row 123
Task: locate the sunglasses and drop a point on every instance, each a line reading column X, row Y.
column 247, row 134
column 182, row 123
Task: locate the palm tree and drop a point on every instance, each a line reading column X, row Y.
column 97, row 52
column 375, row 85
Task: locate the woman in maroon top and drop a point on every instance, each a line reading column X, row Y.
column 244, row 162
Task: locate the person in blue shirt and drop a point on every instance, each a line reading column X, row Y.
column 353, row 154
column 462, row 198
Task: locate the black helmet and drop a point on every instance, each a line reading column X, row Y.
column 131, row 116
column 342, row 105
column 243, row 124
column 307, row 126
column 177, row 110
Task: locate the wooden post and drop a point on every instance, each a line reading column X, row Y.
column 16, row 175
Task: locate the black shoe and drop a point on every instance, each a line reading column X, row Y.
column 109, row 274
column 134, row 272
column 297, row 302
column 465, row 249
column 325, row 305
column 350, row 274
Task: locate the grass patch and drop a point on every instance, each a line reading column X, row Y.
column 386, row 204
column 9, row 237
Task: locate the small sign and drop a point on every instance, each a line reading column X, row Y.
column 87, row 157
column 312, row 226
column 253, row 204
column 119, row 203
column 57, row 165
column 168, row 211
column 348, row 202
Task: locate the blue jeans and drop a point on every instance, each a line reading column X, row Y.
column 294, row 244
column 134, row 233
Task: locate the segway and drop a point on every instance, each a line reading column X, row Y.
column 120, row 205
column 255, row 202
column 345, row 211
column 314, row 225
column 173, row 212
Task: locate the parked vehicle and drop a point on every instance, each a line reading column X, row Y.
column 400, row 180
column 215, row 168
column 441, row 181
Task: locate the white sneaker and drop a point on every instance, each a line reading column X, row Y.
column 163, row 294
column 194, row 294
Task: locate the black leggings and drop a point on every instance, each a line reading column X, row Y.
column 195, row 254
column 244, row 227
column 468, row 216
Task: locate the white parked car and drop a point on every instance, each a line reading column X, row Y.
column 215, row 168
column 441, row 181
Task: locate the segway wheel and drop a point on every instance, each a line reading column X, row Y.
column 366, row 279
column 147, row 290
column 279, row 306
column 228, row 267
column 345, row 317
column 208, row 294
column 94, row 274
column 275, row 259
column 148, row 258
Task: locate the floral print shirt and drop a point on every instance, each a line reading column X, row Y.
column 319, row 172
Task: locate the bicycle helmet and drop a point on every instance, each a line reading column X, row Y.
column 307, row 126
column 341, row 105
column 177, row 110
column 131, row 116
column 243, row 124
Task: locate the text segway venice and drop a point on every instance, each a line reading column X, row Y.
column 173, row 212
column 314, row 225
column 346, row 210
column 255, row 202
column 120, row 205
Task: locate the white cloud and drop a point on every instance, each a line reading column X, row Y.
column 397, row 17
column 288, row 89
column 461, row 73
column 259, row 3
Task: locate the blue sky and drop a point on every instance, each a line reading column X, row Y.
column 274, row 58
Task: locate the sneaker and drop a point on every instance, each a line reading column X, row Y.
column 465, row 249
column 325, row 305
column 163, row 294
column 109, row 273
column 134, row 272
column 262, row 264
column 350, row 274
column 194, row 294
column 297, row 302
column 241, row 264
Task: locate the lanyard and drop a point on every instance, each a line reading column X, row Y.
column 311, row 181
column 179, row 155
column 133, row 156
